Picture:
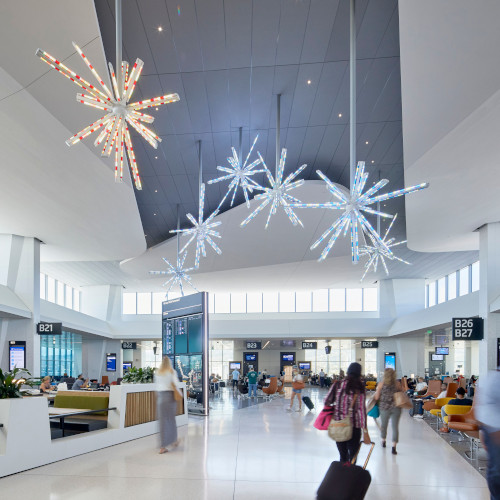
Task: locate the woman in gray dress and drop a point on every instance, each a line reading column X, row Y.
column 167, row 382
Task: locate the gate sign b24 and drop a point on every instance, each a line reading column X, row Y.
column 467, row 328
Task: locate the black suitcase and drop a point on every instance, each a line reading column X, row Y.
column 345, row 482
column 308, row 402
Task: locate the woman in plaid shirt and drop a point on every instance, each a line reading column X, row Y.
column 342, row 395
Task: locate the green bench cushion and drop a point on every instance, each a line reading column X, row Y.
column 82, row 401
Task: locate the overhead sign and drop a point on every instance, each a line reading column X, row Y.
column 254, row 345
column 129, row 345
column 44, row 328
column 467, row 328
column 309, row 345
column 369, row 344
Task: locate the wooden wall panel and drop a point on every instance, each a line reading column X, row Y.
column 141, row 408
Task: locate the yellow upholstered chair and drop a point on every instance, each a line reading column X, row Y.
column 439, row 403
column 450, row 393
column 371, row 385
column 455, row 410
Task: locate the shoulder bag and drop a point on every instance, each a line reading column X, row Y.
column 177, row 394
column 401, row 400
column 298, row 385
column 341, row 430
column 324, row 418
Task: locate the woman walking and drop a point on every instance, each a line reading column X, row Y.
column 167, row 382
column 388, row 410
column 297, row 386
column 348, row 395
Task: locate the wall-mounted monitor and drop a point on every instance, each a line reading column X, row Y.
column 443, row 350
column 305, row 366
column 126, row 366
column 390, row 360
column 289, row 357
column 250, row 357
column 235, row 365
column 437, row 357
column 287, row 343
column 17, row 354
column 111, row 362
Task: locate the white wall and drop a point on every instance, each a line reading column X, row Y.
column 410, row 354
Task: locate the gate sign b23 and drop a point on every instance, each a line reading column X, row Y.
column 467, row 328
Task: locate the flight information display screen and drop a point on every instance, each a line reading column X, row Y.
column 17, row 356
column 168, row 338
column 195, row 335
column 181, row 337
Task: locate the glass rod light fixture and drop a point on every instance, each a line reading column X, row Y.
column 119, row 113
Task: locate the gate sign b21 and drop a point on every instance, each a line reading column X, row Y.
column 467, row 328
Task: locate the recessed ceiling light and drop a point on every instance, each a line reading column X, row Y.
column 366, row 142
column 156, row 157
column 308, row 82
column 340, row 115
column 154, row 214
column 156, row 190
column 373, row 161
column 160, row 28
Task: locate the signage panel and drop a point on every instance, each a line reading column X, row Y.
column 309, row 345
column 44, row 328
column 111, row 362
column 129, row 345
column 369, row 344
column 17, row 354
column 467, row 328
column 254, row 345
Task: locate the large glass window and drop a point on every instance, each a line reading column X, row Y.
column 464, row 280
column 354, row 299
column 61, row 354
column 270, row 302
column 51, row 289
column 441, row 290
column 221, row 353
column 68, row 301
column 337, row 299
column 143, row 303
column 238, row 303
column 432, row 293
column 287, row 302
column 370, row 362
column 76, row 300
column 222, row 303
column 60, row 293
column 254, row 302
column 151, row 353
column 370, row 299
column 475, row 277
column 452, row 286
column 303, row 301
column 158, row 299
column 320, row 300
column 129, row 303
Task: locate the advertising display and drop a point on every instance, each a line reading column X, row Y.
column 185, row 342
column 17, row 354
column 443, row 350
column 126, row 366
column 234, row 365
column 305, row 366
column 111, row 362
column 390, row 360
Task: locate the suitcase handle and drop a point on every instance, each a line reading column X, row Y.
column 367, row 458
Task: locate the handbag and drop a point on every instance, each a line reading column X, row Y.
column 371, row 403
column 401, row 400
column 341, row 430
column 323, row 420
column 177, row 394
column 298, row 385
column 374, row 412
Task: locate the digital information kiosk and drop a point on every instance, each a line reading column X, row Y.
column 185, row 342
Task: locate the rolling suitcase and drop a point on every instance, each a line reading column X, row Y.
column 345, row 482
column 308, row 402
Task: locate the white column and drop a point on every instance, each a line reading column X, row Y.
column 20, row 272
column 489, row 290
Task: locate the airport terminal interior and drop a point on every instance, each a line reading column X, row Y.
column 217, row 216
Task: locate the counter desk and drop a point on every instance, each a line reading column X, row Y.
column 25, row 436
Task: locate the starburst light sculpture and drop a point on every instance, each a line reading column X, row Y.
column 377, row 253
column 353, row 204
column 119, row 113
column 178, row 274
column 277, row 194
column 240, row 175
column 202, row 230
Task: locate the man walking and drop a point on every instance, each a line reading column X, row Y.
column 487, row 410
column 322, row 378
column 252, row 382
column 236, row 378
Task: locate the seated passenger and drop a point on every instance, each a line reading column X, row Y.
column 421, row 387
column 80, row 383
column 420, row 402
column 46, row 386
column 459, row 400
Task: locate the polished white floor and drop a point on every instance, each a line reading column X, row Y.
column 255, row 453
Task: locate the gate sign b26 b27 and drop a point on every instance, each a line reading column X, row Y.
column 467, row 328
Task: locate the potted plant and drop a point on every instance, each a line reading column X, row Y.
column 139, row 375
column 11, row 382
